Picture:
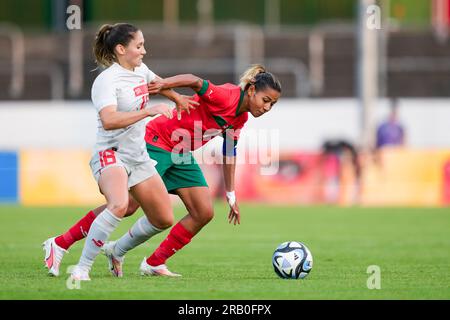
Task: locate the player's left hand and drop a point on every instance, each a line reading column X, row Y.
column 234, row 215
column 160, row 108
column 155, row 86
column 185, row 103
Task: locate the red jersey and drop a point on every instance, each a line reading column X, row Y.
column 217, row 111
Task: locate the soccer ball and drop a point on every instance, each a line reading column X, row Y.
column 292, row 260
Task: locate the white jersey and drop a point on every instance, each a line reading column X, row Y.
column 128, row 91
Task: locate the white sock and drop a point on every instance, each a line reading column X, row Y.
column 140, row 232
column 101, row 228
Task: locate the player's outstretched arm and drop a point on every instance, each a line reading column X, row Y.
column 182, row 80
column 183, row 103
column 113, row 119
column 229, row 169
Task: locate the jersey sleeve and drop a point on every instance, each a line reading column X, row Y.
column 217, row 97
column 103, row 93
column 230, row 141
column 149, row 74
column 231, row 138
column 235, row 133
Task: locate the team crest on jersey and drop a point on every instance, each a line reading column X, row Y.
column 140, row 90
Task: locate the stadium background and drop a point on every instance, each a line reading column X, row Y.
column 48, row 125
column 394, row 216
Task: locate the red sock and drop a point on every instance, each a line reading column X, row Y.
column 177, row 238
column 77, row 232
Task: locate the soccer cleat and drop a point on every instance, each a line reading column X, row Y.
column 114, row 262
column 53, row 256
column 80, row 274
column 161, row 270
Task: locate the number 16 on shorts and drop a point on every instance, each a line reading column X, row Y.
column 107, row 158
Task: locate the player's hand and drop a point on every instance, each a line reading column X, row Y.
column 160, row 108
column 234, row 215
column 185, row 103
column 155, row 86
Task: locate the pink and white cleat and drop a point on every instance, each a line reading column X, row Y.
column 161, row 270
column 53, row 256
column 115, row 262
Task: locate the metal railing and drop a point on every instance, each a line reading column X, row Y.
column 17, row 49
column 47, row 68
column 249, row 47
column 227, row 66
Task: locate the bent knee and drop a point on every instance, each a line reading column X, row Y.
column 164, row 221
column 204, row 216
column 132, row 208
column 209, row 215
column 118, row 208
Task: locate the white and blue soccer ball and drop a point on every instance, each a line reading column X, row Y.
column 292, row 260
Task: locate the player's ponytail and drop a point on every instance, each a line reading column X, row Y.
column 103, row 56
column 106, row 39
column 258, row 76
column 249, row 75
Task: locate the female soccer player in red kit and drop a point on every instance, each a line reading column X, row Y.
column 223, row 110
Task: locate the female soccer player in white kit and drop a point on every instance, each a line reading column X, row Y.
column 120, row 161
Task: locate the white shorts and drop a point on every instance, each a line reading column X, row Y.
column 110, row 158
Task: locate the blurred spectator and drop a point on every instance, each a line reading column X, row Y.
column 391, row 131
column 338, row 156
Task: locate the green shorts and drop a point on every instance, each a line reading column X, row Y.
column 177, row 170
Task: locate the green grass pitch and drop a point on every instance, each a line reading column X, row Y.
column 410, row 245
